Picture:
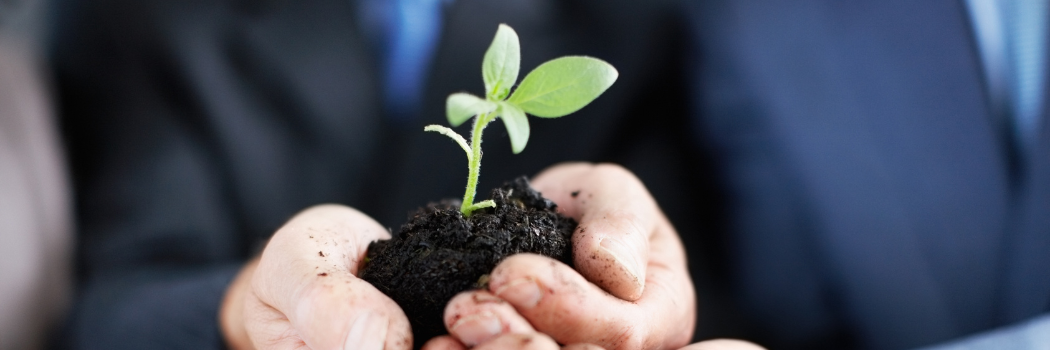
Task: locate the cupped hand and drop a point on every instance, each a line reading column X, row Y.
column 515, row 341
column 723, row 344
column 630, row 289
column 303, row 292
column 538, row 341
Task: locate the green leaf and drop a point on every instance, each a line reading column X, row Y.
column 460, row 107
column 453, row 135
column 517, row 124
column 501, row 64
column 488, row 203
column 563, row 85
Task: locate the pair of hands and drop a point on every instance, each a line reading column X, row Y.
column 630, row 288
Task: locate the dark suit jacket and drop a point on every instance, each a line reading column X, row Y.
column 864, row 195
column 196, row 128
column 873, row 197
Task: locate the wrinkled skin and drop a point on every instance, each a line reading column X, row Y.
column 631, row 288
column 303, row 292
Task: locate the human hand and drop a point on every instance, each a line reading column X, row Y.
column 518, row 341
column 723, row 344
column 539, row 341
column 630, row 289
column 303, row 293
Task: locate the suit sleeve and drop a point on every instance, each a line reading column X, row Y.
column 1032, row 334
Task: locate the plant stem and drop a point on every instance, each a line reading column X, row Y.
column 475, row 162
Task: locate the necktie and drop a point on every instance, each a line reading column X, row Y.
column 406, row 33
column 1025, row 28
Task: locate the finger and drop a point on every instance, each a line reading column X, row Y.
column 560, row 302
column 267, row 327
column 532, row 341
column 307, row 273
column 616, row 218
column 445, row 342
column 619, row 204
column 449, row 343
column 475, row 317
column 581, row 347
column 723, row 344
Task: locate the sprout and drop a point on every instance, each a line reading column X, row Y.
column 554, row 89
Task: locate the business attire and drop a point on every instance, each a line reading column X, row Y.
column 35, row 203
column 842, row 167
column 876, row 196
column 195, row 129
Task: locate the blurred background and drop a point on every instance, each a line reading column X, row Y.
column 844, row 175
column 35, row 198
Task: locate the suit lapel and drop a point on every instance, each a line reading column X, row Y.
column 889, row 123
column 1027, row 258
column 943, row 160
column 295, row 74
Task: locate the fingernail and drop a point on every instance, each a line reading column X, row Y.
column 626, row 257
column 523, row 292
column 476, row 329
column 367, row 333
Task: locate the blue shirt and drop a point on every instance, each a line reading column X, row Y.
column 1011, row 36
column 405, row 33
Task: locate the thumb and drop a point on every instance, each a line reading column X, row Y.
column 723, row 344
column 307, row 273
column 616, row 217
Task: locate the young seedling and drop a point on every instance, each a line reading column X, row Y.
column 554, row 89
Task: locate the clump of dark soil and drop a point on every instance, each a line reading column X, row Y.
column 438, row 253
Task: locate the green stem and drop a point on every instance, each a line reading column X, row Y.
column 475, row 163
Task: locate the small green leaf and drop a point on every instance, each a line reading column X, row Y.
column 488, row 203
column 453, row 135
column 460, row 107
column 501, row 64
column 517, row 124
column 563, row 85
